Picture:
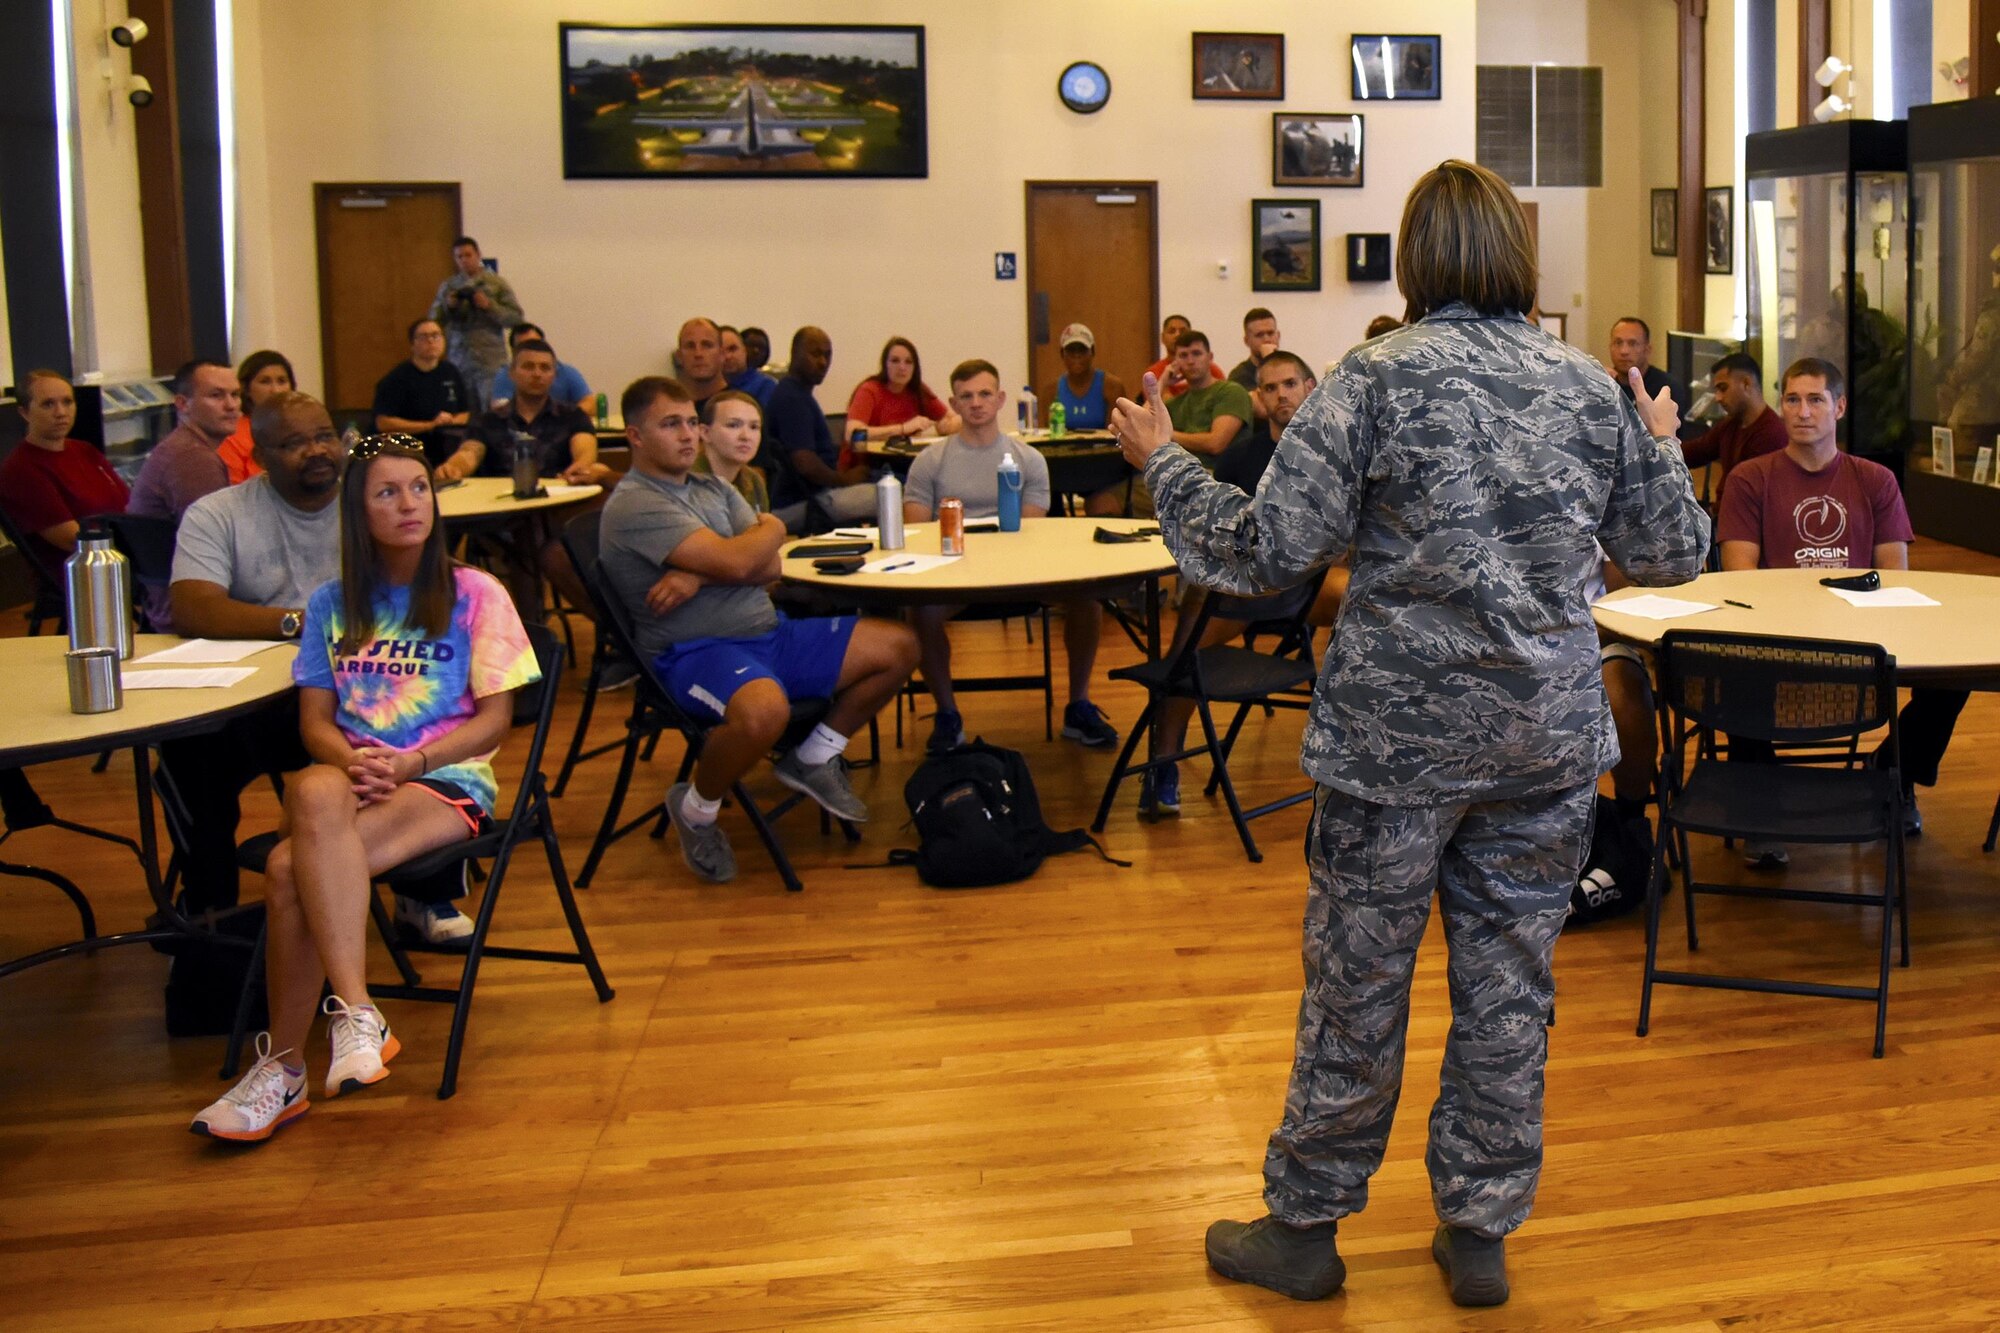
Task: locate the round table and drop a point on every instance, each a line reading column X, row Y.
column 1049, row 559
column 41, row 728
column 493, row 497
column 1956, row 643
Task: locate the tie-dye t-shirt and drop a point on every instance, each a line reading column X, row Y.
column 405, row 689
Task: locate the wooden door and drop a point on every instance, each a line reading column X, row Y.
column 383, row 250
column 1093, row 258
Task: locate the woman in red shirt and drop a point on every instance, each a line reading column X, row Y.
column 51, row 483
column 895, row 401
column 262, row 374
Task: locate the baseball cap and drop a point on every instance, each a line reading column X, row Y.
column 1077, row 333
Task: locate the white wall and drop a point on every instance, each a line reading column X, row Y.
column 1951, row 30
column 457, row 90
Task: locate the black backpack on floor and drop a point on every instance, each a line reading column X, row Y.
column 1614, row 877
column 979, row 821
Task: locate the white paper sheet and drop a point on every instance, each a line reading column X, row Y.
column 1652, row 606
column 562, row 490
column 186, row 678
column 906, row 562
column 210, row 650
column 1883, row 597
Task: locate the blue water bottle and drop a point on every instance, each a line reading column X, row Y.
column 1010, row 493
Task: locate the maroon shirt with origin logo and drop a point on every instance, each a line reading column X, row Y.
column 1830, row 519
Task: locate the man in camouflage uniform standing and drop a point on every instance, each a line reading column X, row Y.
column 475, row 306
column 1473, row 463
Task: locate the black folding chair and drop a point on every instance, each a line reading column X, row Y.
column 1224, row 673
column 148, row 544
column 47, row 604
column 530, row 818
column 914, row 689
column 1790, row 692
column 654, row 711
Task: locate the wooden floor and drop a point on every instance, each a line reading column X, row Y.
column 876, row 1106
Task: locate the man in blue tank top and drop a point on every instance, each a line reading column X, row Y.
column 1085, row 392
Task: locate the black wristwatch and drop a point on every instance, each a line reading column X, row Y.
column 290, row 624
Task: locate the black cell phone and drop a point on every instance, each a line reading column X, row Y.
column 1867, row 582
column 840, row 564
column 815, row 549
column 982, row 525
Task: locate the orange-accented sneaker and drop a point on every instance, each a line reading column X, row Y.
column 263, row 1101
column 362, row 1046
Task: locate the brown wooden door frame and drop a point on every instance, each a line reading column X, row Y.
column 321, row 190
column 163, row 230
column 1151, row 191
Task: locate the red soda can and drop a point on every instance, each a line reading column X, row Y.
column 951, row 527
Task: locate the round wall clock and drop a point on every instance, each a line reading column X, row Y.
column 1084, row 87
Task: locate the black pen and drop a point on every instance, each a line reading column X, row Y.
column 1731, row 601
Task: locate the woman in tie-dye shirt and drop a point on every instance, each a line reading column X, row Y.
column 406, row 671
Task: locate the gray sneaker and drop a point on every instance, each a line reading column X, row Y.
column 1475, row 1265
column 825, row 783
column 1766, row 855
column 1301, row 1263
column 705, row 847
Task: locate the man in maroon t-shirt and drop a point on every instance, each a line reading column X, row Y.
column 1750, row 429
column 184, row 465
column 1811, row 506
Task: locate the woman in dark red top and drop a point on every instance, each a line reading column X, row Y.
column 50, row 483
column 895, row 401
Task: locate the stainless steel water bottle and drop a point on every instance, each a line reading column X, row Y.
column 889, row 513
column 97, row 586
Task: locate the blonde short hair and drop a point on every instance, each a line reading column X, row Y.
column 1465, row 238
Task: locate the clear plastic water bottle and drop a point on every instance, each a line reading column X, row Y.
column 889, row 513
column 1029, row 410
column 1010, row 493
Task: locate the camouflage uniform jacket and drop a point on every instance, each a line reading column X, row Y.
column 1473, row 464
column 475, row 338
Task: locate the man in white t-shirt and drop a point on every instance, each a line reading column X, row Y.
column 966, row 467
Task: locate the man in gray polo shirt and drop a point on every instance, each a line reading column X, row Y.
column 688, row 559
column 966, row 467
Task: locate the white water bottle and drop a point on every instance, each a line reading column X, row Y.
column 1029, row 409
column 889, row 513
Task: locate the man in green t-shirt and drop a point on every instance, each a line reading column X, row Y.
column 1213, row 411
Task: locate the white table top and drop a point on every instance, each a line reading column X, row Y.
column 493, row 497
column 1048, row 557
column 1961, row 636
column 41, row 727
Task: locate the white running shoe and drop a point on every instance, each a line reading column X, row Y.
column 263, row 1101
column 433, row 923
column 362, row 1046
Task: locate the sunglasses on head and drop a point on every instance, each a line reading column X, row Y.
column 402, row 446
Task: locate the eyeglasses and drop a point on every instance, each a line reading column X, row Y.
column 291, row 444
column 402, row 446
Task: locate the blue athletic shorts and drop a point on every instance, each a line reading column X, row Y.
column 803, row 656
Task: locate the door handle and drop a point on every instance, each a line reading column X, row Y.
column 1038, row 319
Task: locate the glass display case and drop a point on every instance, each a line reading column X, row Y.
column 1953, row 483
column 1829, row 268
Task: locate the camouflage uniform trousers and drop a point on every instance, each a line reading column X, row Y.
column 1503, row 872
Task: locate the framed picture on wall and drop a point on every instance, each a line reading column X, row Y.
column 1718, row 228
column 687, row 100
column 1284, row 247
column 1316, row 148
column 1391, row 67
column 1666, row 221
column 1239, row 66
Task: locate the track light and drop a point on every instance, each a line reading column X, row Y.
column 1833, row 105
column 1830, row 69
column 129, row 33
column 139, row 91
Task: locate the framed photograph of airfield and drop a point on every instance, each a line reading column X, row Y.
column 741, row 100
column 1284, row 245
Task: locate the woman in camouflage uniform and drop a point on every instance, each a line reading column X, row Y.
column 1473, row 463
